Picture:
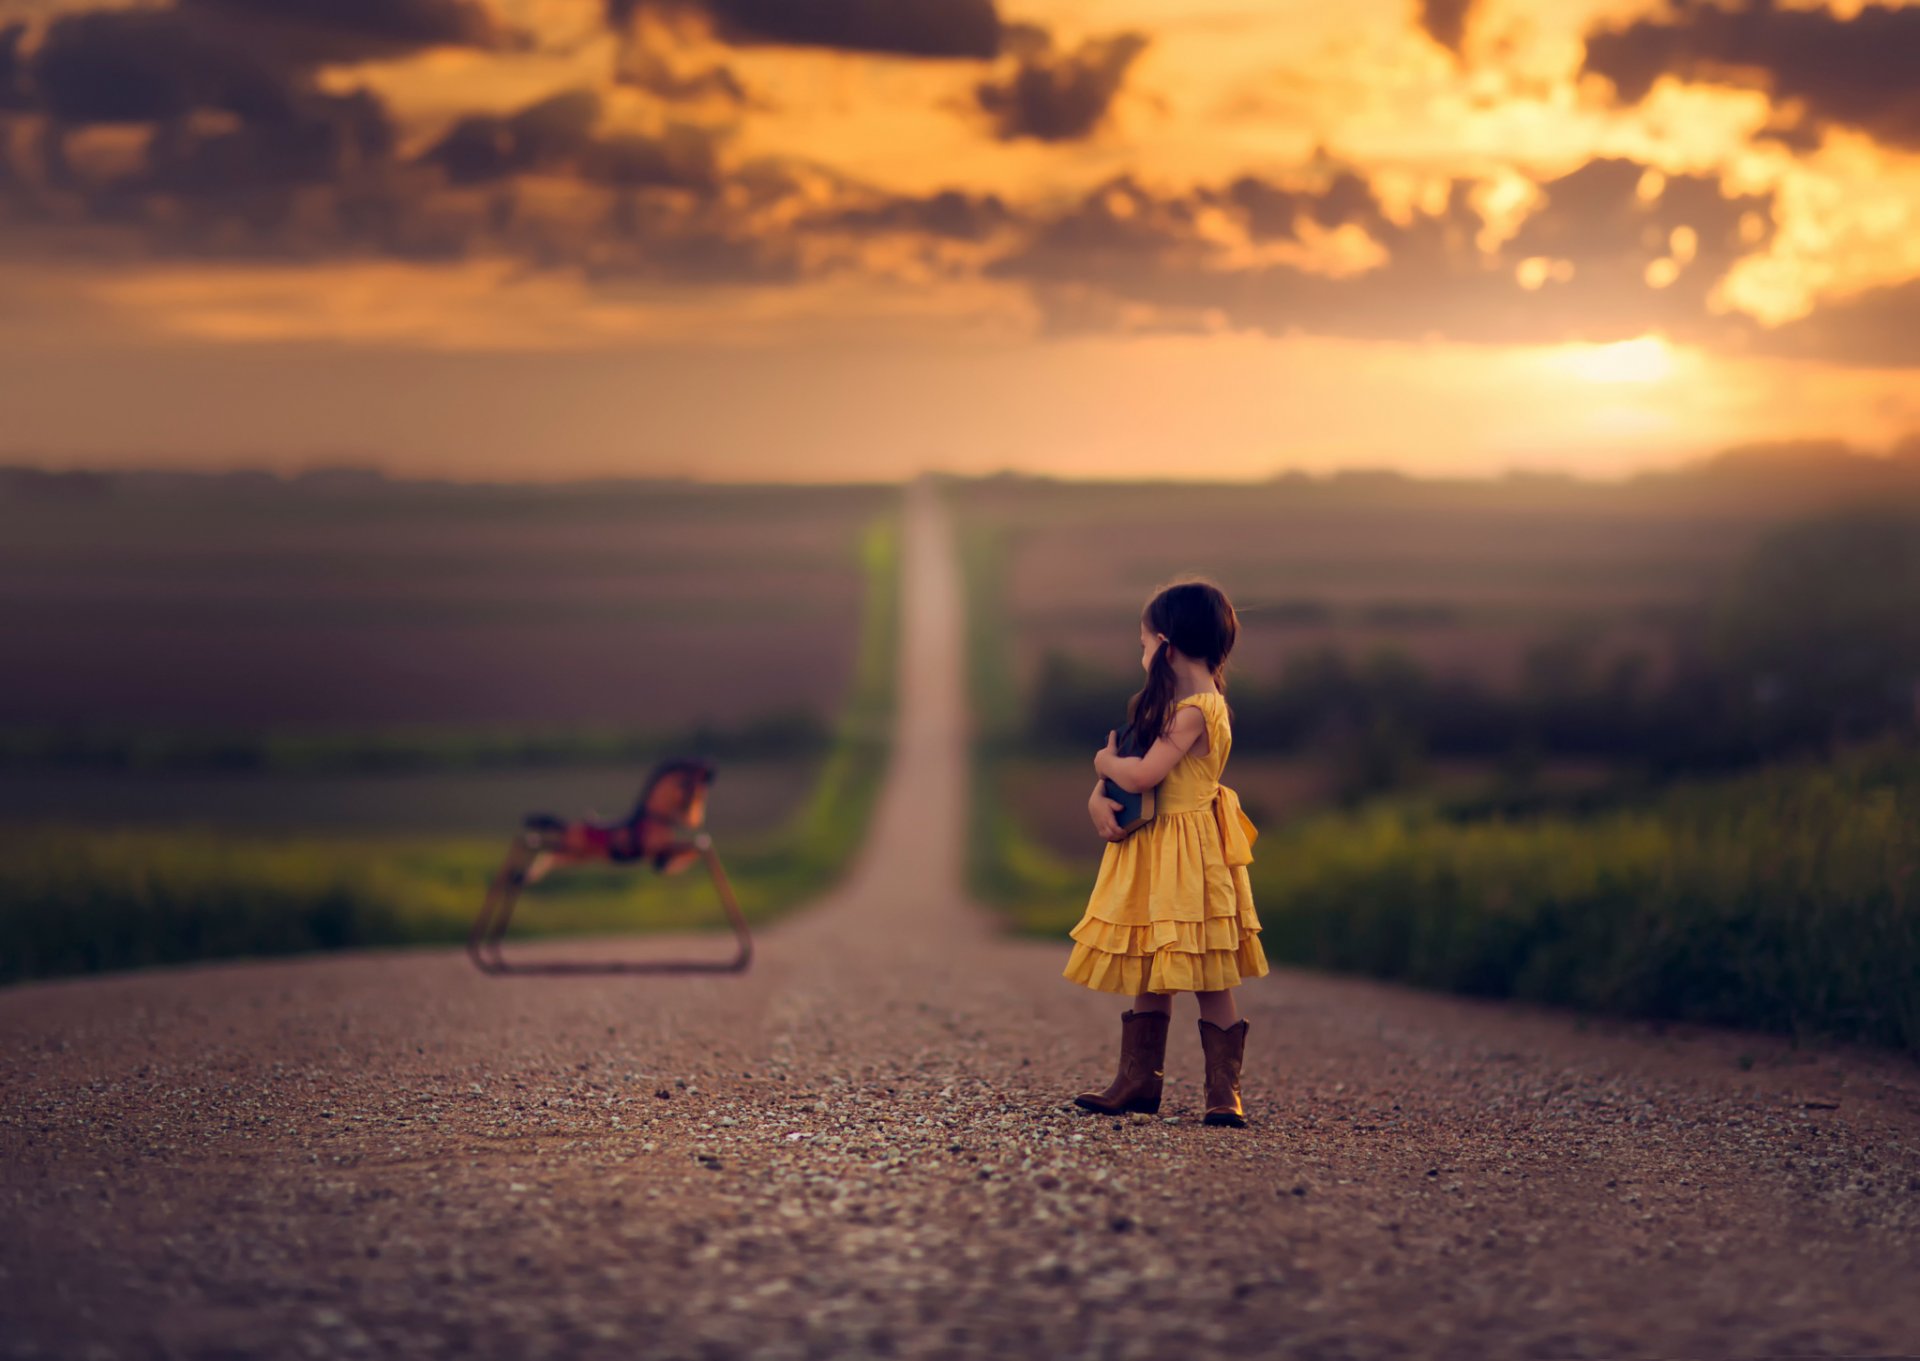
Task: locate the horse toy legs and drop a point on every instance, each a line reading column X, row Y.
column 664, row 829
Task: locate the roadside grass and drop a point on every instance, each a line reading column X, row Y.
column 75, row 900
column 1785, row 900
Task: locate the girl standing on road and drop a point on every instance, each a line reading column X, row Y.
column 1172, row 910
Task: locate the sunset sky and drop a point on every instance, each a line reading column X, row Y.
column 860, row 238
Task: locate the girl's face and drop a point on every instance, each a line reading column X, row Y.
column 1149, row 644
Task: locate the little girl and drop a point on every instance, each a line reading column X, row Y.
column 1172, row 910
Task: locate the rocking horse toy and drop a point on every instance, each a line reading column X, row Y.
column 664, row 829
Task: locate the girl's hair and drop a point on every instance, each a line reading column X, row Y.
column 1196, row 617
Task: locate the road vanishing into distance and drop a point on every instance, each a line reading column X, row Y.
column 864, row 1148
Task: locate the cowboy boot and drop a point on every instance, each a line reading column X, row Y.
column 1224, row 1048
column 1143, row 1059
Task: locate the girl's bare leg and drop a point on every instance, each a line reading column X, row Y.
column 1216, row 1008
column 1161, row 1002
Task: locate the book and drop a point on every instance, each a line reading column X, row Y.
column 1135, row 810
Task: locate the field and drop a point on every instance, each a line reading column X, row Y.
column 224, row 809
column 1780, row 898
column 1463, row 578
column 190, row 604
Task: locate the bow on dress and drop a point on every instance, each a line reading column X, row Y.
column 1237, row 832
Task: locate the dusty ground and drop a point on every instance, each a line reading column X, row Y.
column 863, row 1149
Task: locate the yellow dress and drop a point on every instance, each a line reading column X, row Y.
column 1172, row 910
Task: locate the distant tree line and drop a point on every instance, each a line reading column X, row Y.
column 1814, row 643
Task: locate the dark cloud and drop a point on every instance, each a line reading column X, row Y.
column 910, row 28
column 1117, row 230
column 252, row 58
column 322, row 144
column 710, row 247
column 322, row 179
column 544, row 136
column 1060, row 96
column 13, row 75
column 1859, row 71
column 247, row 155
column 1875, row 329
column 950, row 214
column 557, row 135
column 285, row 188
column 1600, row 217
column 237, row 124
column 367, row 26
column 1128, row 245
column 1273, row 212
column 144, row 66
column 1446, row 20
column 1600, row 220
column 683, row 156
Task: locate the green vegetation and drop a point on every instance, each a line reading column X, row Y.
column 74, row 901
column 1787, row 899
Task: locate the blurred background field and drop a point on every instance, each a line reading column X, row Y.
column 249, row 714
column 345, row 602
column 1644, row 746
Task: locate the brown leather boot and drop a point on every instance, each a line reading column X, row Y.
column 1224, row 1049
column 1143, row 1059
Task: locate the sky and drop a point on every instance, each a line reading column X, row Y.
column 827, row 239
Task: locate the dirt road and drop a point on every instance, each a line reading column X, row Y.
column 863, row 1149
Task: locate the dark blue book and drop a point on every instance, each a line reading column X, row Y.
column 1135, row 810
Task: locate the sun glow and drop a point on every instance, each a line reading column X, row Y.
column 1648, row 359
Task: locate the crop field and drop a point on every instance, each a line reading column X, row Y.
column 198, row 604
column 1463, row 579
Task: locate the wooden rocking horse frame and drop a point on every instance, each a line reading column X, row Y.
column 664, row 829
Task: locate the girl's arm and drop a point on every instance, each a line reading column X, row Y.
column 1101, row 809
column 1135, row 773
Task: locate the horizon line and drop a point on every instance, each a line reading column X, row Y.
column 14, row 466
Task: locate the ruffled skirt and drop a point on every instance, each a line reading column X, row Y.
column 1168, row 914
